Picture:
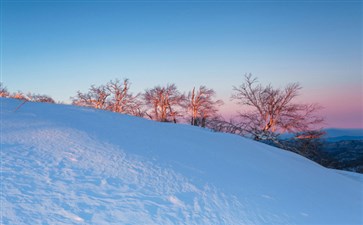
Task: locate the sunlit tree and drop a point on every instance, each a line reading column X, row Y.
column 272, row 110
column 96, row 97
column 164, row 103
column 121, row 100
column 3, row 91
column 20, row 95
column 202, row 106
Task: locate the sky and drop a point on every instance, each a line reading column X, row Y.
column 60, row 47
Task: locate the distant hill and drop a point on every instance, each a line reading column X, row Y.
column 338, row 134
column 339, row 149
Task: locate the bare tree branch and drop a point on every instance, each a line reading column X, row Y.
column 165, row 103
column 202, row 106
column 273, row 110
column 3, row 91
column 96, row 97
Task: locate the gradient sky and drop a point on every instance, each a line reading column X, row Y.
column 59, row 47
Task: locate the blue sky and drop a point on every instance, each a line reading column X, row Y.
column 59, row 47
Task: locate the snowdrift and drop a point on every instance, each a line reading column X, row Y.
column 63, row 164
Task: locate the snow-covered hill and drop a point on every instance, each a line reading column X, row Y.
column 68, row 165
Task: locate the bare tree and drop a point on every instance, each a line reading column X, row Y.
column 221, row 125
column 20, row 95
column 164, row 103
column 202, row 106
column 121, row 100
column 40, row 98
column 25, row 97
column 3, row 91
column 273, row 110
column 96, row 97
column 82, row 99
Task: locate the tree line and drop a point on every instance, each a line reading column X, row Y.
column 161, row 103
column 266, row 112
column 4, row 93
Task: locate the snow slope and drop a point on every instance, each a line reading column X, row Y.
column 62, row 164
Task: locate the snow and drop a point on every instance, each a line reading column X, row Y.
column 63, row 164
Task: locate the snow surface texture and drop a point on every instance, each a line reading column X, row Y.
column 68, row 165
